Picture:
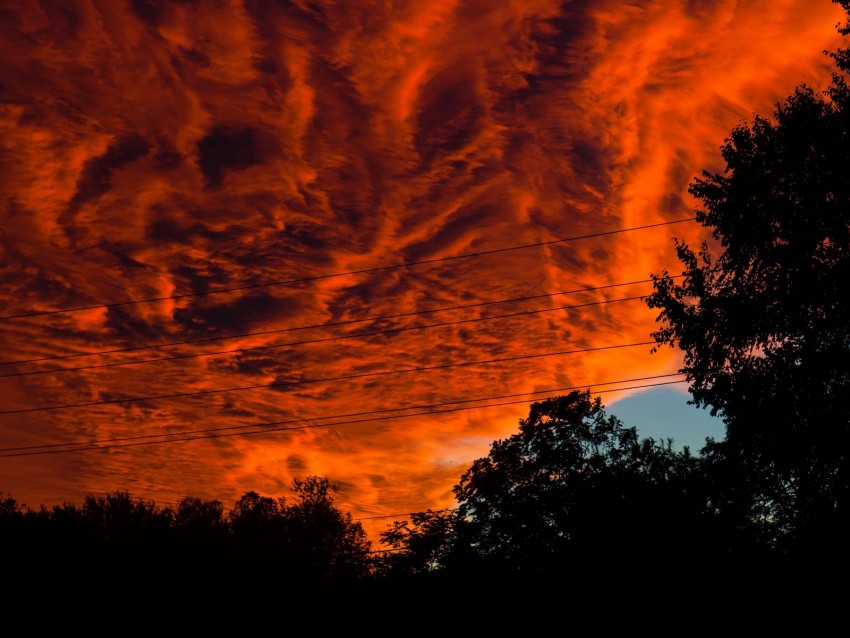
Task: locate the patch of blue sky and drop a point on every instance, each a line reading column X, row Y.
column 663, row 413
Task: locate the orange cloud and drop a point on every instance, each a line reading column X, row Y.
column 157, row 151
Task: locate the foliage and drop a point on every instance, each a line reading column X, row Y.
column 569, row 486
column 118, row 548
column 424, row 542
column 327, row 542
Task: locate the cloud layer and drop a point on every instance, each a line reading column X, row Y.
column 174, row 149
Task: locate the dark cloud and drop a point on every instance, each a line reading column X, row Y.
column 252, row 309
column 167, row 157
column 121, row 253
column 182, row 228
column 296, row 465
column 96, row 176
column 589, row 160
column 225, row 149
column 65, row 17
column 133, row 329
column 450, row 115
column 147, row 11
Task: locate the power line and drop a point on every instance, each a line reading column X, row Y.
column 342, row 274
column 331, row 324
column 322, row 340
column 275, row 430
column 337, row 378
column 330, row 416
column 367, row 518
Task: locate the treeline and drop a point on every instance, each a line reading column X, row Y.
column 577, row 500
column 572, row 496
column 573, row 502
column 116, row 550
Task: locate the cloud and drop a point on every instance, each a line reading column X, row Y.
column 155, row 150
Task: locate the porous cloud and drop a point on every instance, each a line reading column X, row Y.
column 173, row 149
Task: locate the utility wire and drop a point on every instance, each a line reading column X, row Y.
column 322, row 340
column 337, row 378
column 408, row 264
column 275, row 430
column 367, row 518
column 331, row 324
column 329, row 416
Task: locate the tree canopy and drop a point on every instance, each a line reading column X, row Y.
column 292, row 550
column 573, row 486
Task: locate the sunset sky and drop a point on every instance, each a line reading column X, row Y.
column 222, row 166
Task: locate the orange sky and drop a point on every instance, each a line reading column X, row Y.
column 153, row 149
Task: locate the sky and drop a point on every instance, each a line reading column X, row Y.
column 229, row 177
column 664, row 413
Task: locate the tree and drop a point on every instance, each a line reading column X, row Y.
column 762, row 314
column 573, row 487
column 299, row 543
column 257, row 519
column 197, row 517
column 328, row 543
column 569, row 483
column 423, row 544
column 298, row 553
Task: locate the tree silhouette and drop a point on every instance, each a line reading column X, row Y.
column 196, row 516
column 425, row 543
column 569, row 482
column 328, row 543
column 762, row 314
column 558, row 497
column 123, row 552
